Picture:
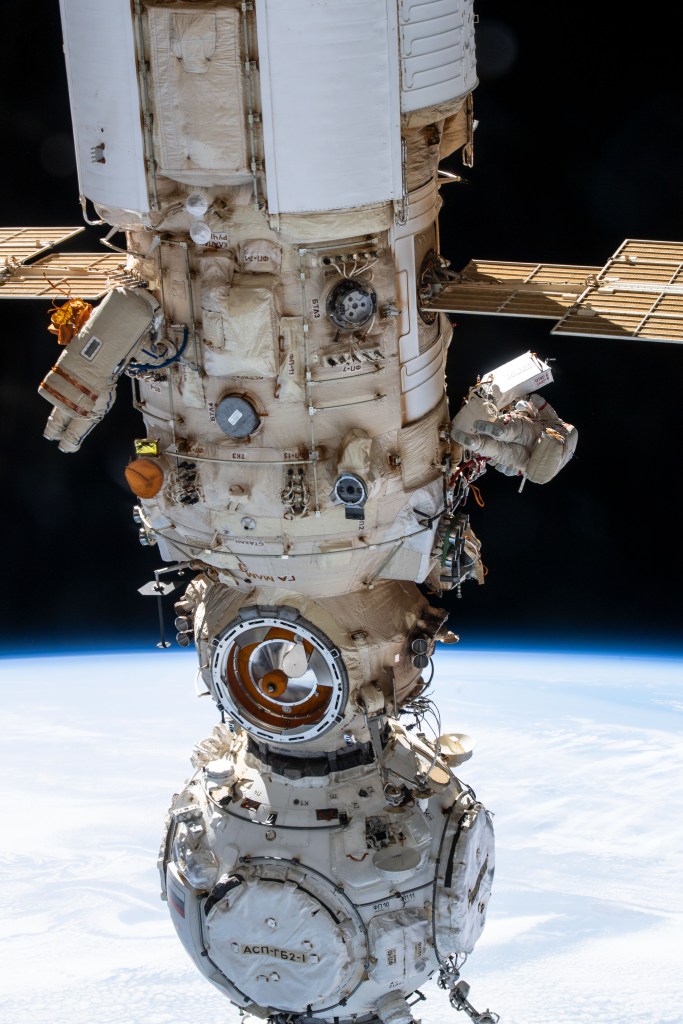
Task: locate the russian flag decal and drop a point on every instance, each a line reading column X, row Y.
column 176, row 899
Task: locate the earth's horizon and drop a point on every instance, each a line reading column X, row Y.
column 578, row 755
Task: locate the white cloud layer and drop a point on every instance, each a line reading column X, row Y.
column 579, row 756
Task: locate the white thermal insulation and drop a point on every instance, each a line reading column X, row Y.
column 241, row 331
column 274, row 937
column 101, row 67
column 466, row 868
column 398, row 941
column 330, row 98
column 199, row 116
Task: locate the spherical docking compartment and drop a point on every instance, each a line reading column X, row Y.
column 281, row 679
column 351, row 304
column 317, row 897
column 287, row 938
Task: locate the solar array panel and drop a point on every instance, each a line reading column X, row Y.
column 637, row 294
column 27, row 274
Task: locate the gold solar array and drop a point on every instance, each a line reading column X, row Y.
column 514, row 289
column 21, row 244
column 26, row 274
column 637, row 294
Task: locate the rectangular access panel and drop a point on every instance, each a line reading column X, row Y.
column 196, row 72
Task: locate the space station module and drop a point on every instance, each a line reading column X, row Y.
column 274, row 167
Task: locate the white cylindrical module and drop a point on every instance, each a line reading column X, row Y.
column 307, row 96
column 275, row 167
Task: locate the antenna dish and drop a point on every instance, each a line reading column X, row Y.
column 456, row 747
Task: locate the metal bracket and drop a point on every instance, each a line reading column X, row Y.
column 157, row 588
column 458, row 995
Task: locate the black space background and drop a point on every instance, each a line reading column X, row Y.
column 579, row 146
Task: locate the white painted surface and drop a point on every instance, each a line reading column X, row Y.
column 422, row 381
column 331, row 106
column 105, row 104
column 437, row 52
column 422, row 375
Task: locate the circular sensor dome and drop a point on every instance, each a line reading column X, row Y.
column 282, row 680
column 200, row 232
column 196, row 204
column 236, row 416
column 351, row 304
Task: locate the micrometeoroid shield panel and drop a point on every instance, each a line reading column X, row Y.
column 100, row 52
